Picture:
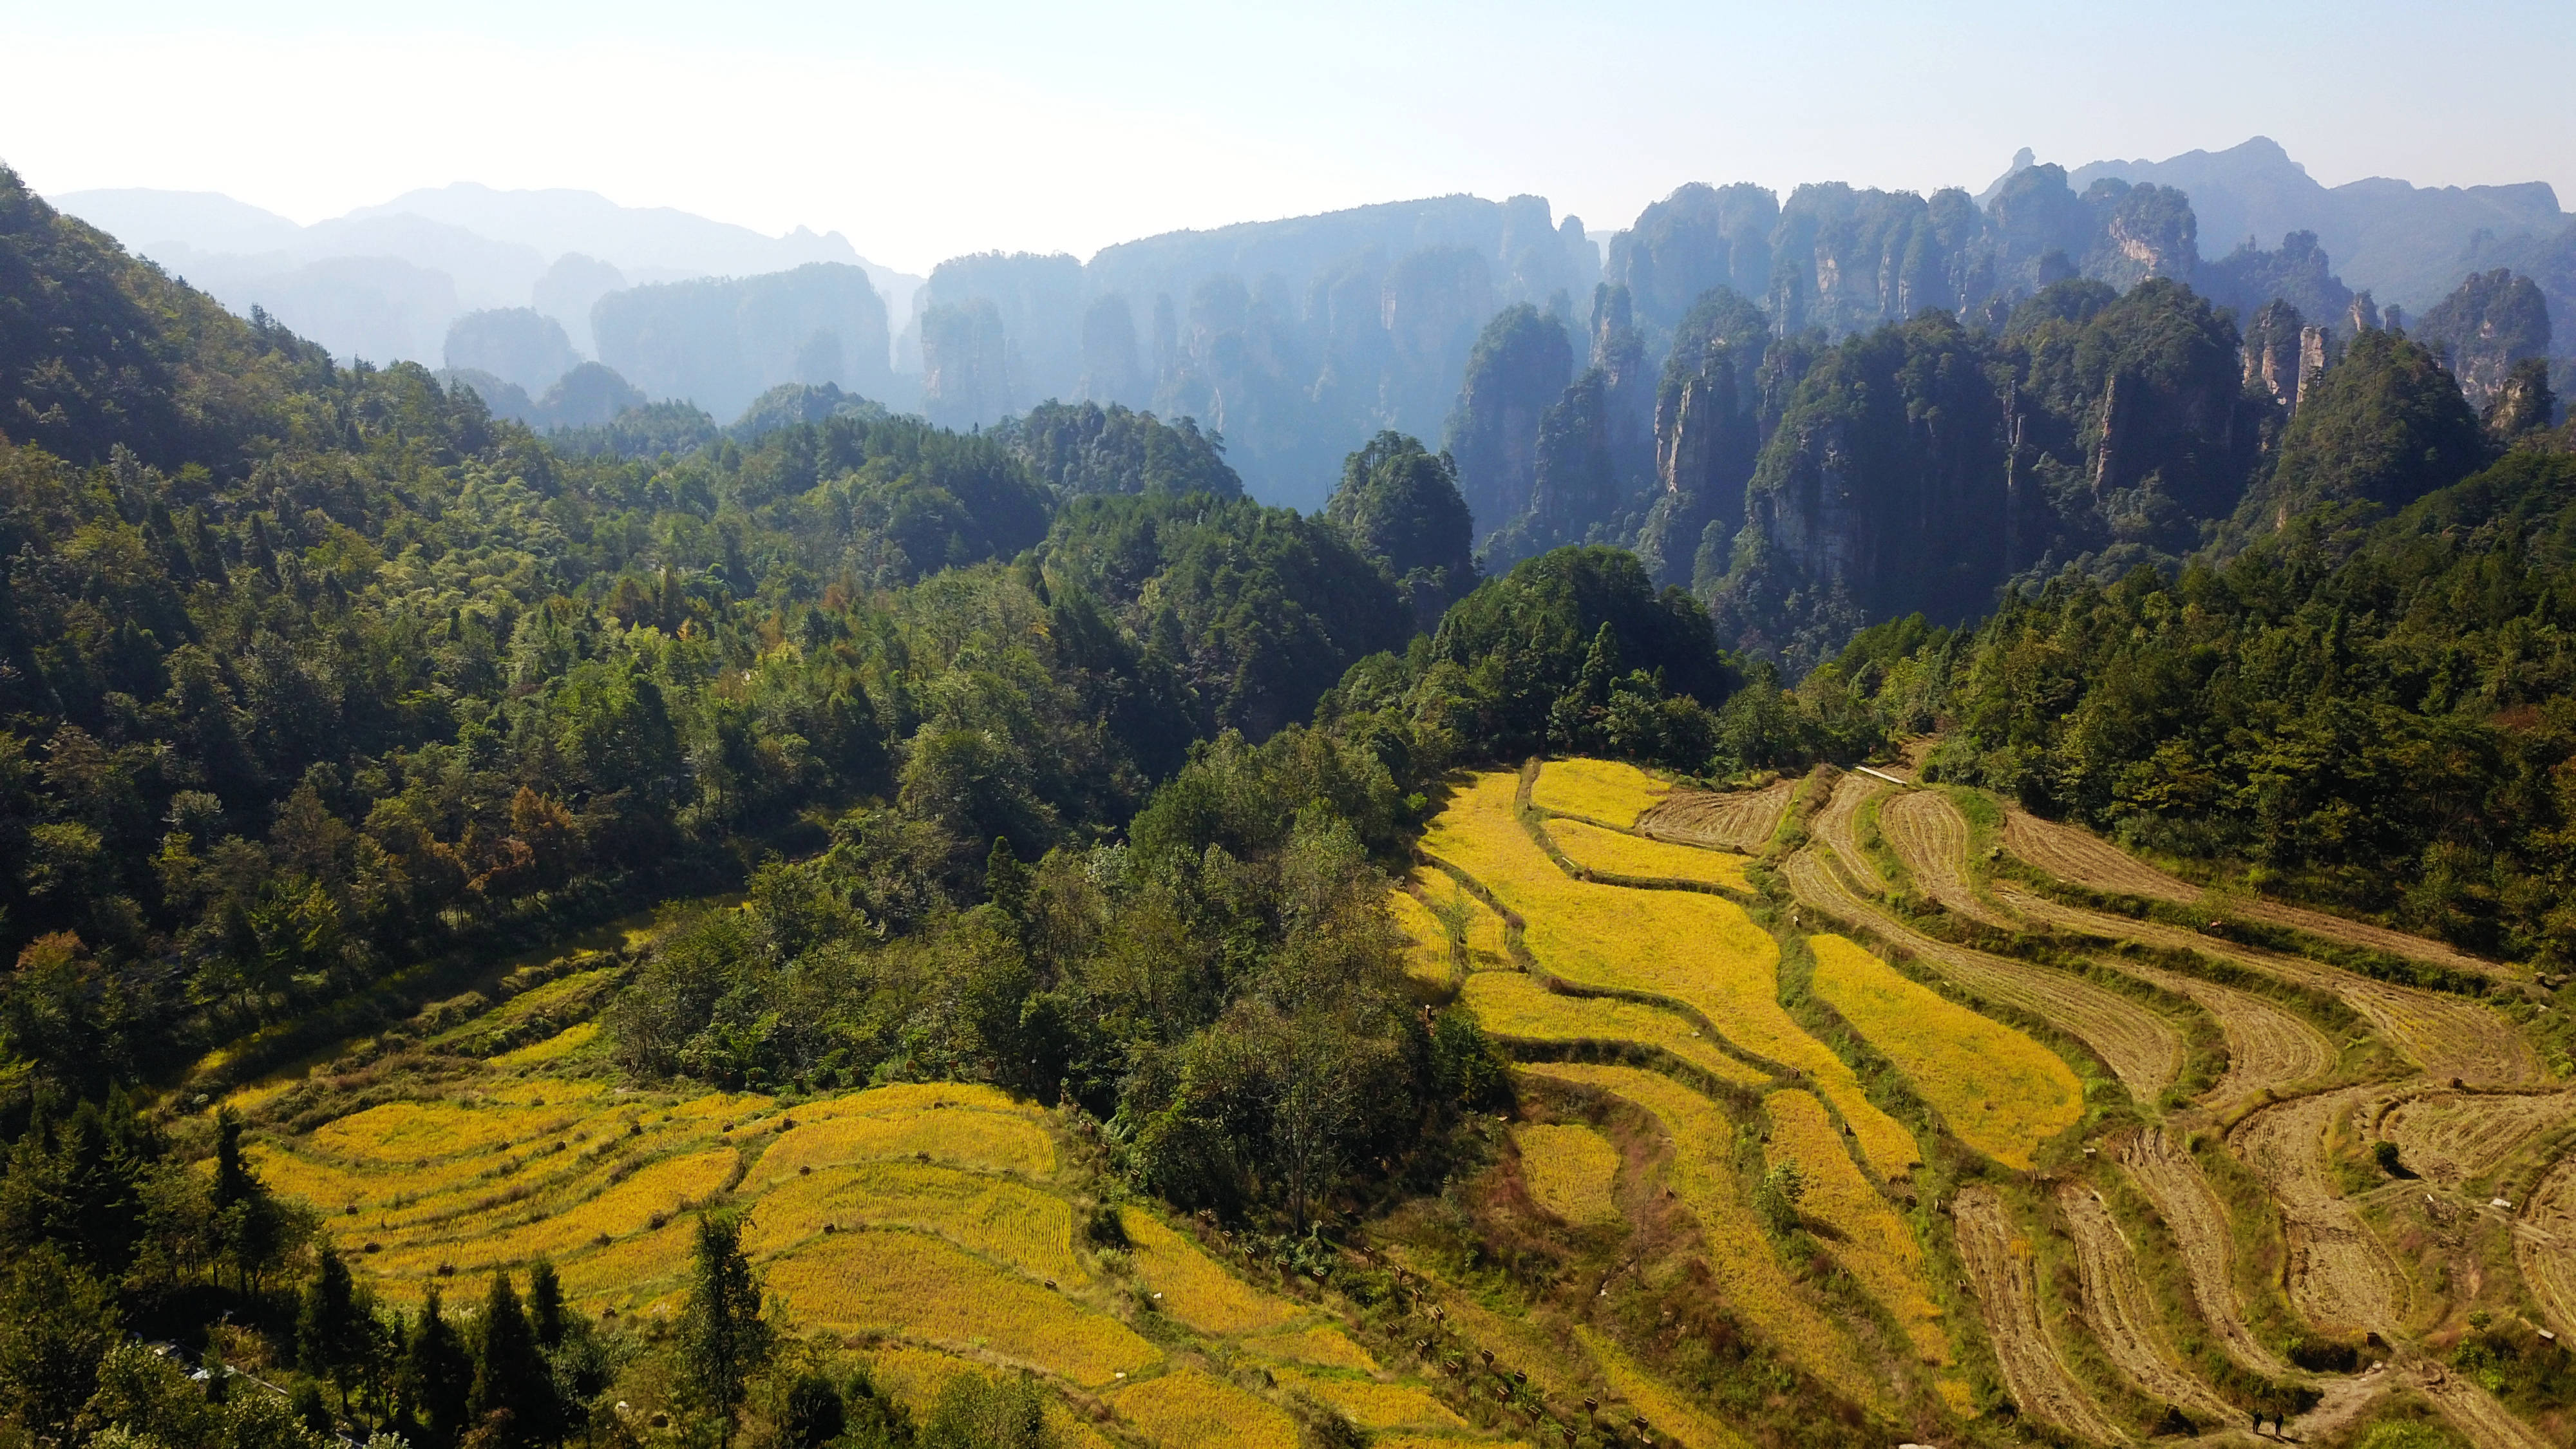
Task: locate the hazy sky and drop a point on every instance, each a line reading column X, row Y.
column 925, row 130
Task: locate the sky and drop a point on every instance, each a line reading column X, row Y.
column 923, row 131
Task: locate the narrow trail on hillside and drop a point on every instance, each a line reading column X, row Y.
column 2268, row 1047
column 2341, row 1276
column 2073, row 854
column 2544, row 1246
column 2142, row 1049
column 1742, row 820
column 2122, row 1312
column 2447, row 1036
column 1838, row 826
column 2008, row 1300
column 2171, row 1180
column 1927, row 833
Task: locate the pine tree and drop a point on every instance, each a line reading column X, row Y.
column 546, row 1305
column 331, row 1328
column 437, row 1380
column 723, row 1336
column 511, row 1375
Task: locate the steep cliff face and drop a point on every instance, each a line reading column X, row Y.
column 1844, row 259
column 2299, row 273
column 2273, row 354
column 1518, row 369
column 1036, row 301
column 725, row 341
column 1699, row 237
column 2494, row 320
column 1708, row 430
column 965, row 361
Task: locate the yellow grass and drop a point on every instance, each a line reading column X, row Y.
column 1601, row 850
column 1186, row 1409
column 1605, row 790
column 553, row 1049
column 1442, row 1441
column 1668, row 1411
column 998, row 1217
column 993, row 1141
column 1699, row 950
column 1512, row 1005
column 1553, row 1366
column 1195, row 1290
column 911, row 1286
column 1739, row 1256
column 2001, row 1093
column 1373, row 1405
column 1318, row 1345
column 1869, row 1238
column 1570, row 1171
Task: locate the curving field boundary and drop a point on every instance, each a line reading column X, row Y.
column 1740, row 820
column 2142, row 1049
column 1838, row 826
column 1927, row 833
column 2341, row 1276
column 2122, row 1312
column 2191, row 1211
column 2268, row 1048
column 2008, row 1301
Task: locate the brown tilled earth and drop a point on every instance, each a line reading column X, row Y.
column 2008, row 1301
column 1740, row 820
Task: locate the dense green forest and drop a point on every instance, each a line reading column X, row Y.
column 1042, row 756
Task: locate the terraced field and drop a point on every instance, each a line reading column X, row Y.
column 1697, row 951
column 2269, row 1048
column 1861, row 1229
column 1519, row 1008
column 1998, row 1260
column 2142, row 1049
column 2544, row 1246
column 1838, row 826
column 1927, row 833
column 1570, row 1170
column 2341, row 1277
column 2123, row 1314
column 1740, row 820
column 2192, row 1213
column 2449, row 1137
column 1608, row 851
column 1608, row 791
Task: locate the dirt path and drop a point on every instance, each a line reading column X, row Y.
column 2447, row 1036
column 2072, row 853
column 2008, row 1299
column 2341, row 1277
column 2123, row 1314
column 2143, row 1049
column 1734, row 820
column 1838, row 826
column 2267, row 1046
column 2474, row 1412
column 2544, row 1246
column 1930, row 836
column 2171, row 1180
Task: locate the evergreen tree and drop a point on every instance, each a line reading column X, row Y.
column 511, row 1376
column 546, row 1305
column 723, row 1335
column 436, row 1385
column 332, row 1333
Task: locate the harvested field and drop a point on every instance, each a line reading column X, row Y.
column 2142, row 1049
column 1186, row 1409
column 1927, row 833
column 2072, row 853
column 1739, row 1257
column 1860, row 1228
column 1570, row 1171
column 2192, row 1213
column 1512, row 1006
column 2000, row 1092
column 921, row 1288
column 1667, row 1411
column 2269, row 1048
column 1195, row 1290
column 2123, row 1314
column 2473, row 1411
column 1742, row 820
column 2544, row 1246
column 1699, row 951
column 2448, row 1036
column 2341, row 1277
column 1999, row 1265
column 1838, row 826
column 1604, row 790
column 2448, row 1137
column 1599, row 851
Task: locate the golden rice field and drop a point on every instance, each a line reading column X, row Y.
column 2000, row 1092
column 914, row 1376
column 1030, row 1229
column 1514, row 1006
column 965, row 1137
column 669, row 1187
column 1604, row 790
column 1739, row 1257
column 1570, row 1171
column 1427, row 956
column 1598, row 850
column 552, row 1049
column 924, row 1288
column 1701, row 951
column 1321, row 1344
column 1186, row 1409
column 1869, row 1239
column 1195, row 1290
column 1373, row 1405
column 1666, row 1410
